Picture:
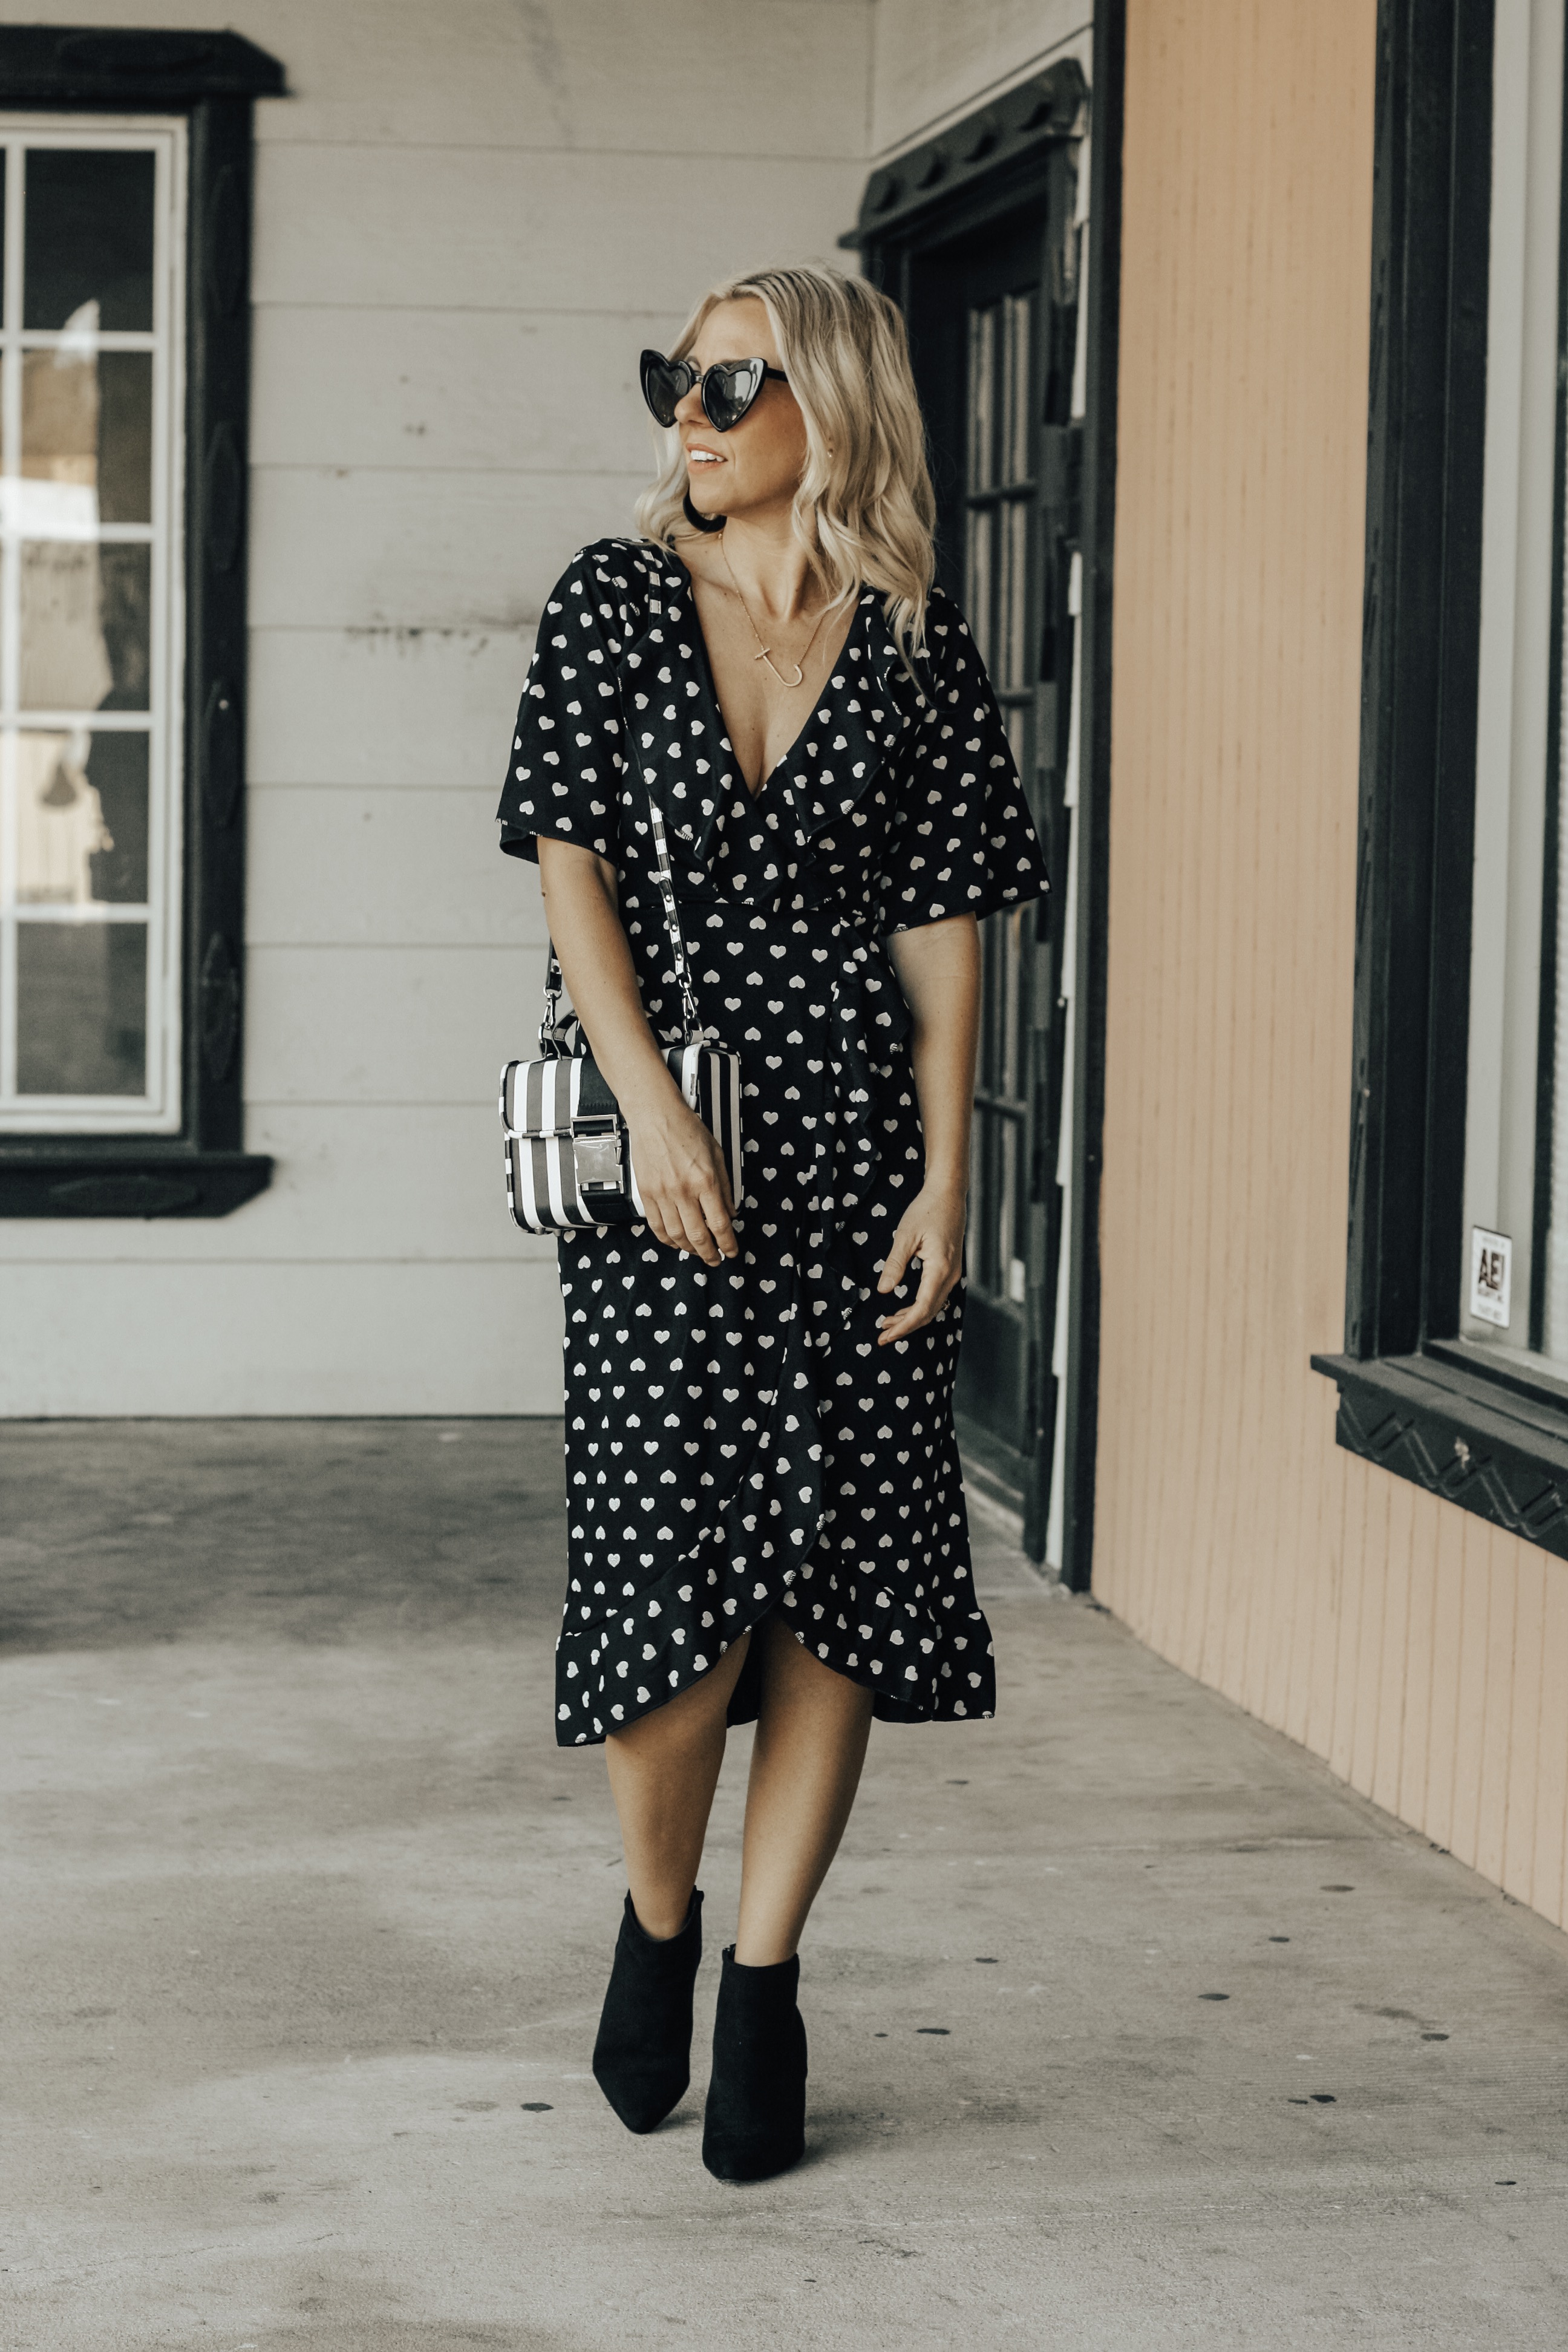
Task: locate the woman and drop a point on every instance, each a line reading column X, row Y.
column 766, row 1516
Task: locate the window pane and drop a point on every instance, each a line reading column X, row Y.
column 85, row 614
column 81, row 1008
column 81, row 820
column 977, row 582
column 126, row 573
column 59, row 445
column 125, row 436
column 1553, row 1108
column 117, row 770
column 1510, row 1243
column 1008, row 670
column 1020, row 311
column 981, row 399
column 89, row 236
column 1006, row 1208
column 87, row 441
column 1012, row 926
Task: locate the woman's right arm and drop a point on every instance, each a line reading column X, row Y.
column 680, row 1170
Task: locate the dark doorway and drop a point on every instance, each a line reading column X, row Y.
column 989, row 284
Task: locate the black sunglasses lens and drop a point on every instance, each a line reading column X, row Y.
column 664, row 383
column 728, row 391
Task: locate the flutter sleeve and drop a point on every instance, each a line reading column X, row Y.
column 565, row 774
column 961, row 842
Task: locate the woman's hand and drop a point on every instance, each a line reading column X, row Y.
column 937, row 966
column 682, row 1176
column 680, row 1170
column 931, row 1229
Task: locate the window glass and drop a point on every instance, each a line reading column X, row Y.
column 81, row 819
column 87, row 436
column 999, row 497
column 88, row 829
column 81, row 996
column 89, row 236
column 1516, row 1122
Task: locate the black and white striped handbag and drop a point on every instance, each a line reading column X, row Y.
column 568, row 1156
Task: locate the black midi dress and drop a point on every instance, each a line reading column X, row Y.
column 737, row 1444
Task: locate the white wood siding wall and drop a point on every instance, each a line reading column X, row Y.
column 934, row 60
column 469, row 218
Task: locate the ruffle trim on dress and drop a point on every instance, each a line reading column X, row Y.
column 764, row 1553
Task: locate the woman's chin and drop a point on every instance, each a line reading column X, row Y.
column 702, row 489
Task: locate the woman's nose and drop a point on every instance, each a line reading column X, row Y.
column 689, row 408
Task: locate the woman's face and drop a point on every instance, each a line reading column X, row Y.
column 758, row 464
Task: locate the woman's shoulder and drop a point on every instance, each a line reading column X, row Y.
column 613, row 588
column 620, row 571
column 945, row 656
column 948, row 643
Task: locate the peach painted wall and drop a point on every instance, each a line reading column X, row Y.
column 1424, row 1654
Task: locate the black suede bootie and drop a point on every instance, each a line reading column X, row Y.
column 755, row 2120
column 642, row 2059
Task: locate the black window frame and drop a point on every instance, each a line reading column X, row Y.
column 213, row 79
column 1413, row 1396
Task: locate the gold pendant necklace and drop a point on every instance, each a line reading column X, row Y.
column 764, row 653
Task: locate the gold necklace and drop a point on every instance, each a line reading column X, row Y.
column 764, row 653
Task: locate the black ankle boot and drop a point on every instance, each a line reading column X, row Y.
column 755, row 2121
column 642, row 2059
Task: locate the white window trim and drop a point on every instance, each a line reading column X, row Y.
column 1515, row 644
column 159, row 1111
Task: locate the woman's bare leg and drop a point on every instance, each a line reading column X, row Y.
column 663, row 1771
column 806, row 1768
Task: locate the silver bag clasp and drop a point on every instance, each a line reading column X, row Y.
column 597, row 1153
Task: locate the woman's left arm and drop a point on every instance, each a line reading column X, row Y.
column 938, row 967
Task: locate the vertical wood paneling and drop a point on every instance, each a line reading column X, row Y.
column 1470, row 1715
column 1517, row 1873
column 1447, row 1645
column 1422, row 1652
column 1548, row 1865
column 1410, row 1796
column 1379, row 1745
column 1499, row 1575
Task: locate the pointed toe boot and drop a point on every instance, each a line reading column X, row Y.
column 754, row 2125
column 642, row 2058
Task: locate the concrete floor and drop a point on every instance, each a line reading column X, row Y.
column 1128, row 2027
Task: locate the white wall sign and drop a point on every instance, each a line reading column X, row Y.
column 1491, row 1270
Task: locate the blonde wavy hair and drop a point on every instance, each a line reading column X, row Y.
column 865, row 509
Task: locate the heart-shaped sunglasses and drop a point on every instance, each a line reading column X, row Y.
column 728, row 388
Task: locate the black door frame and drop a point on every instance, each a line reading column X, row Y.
column 961, row 261
column 975, row 172
column 1102, row 293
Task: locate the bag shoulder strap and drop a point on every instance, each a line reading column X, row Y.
column 553, row 1029
column 691, row 1022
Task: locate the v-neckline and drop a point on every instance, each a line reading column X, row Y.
column 711, row 683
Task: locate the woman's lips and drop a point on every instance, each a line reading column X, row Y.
column 699, row 457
